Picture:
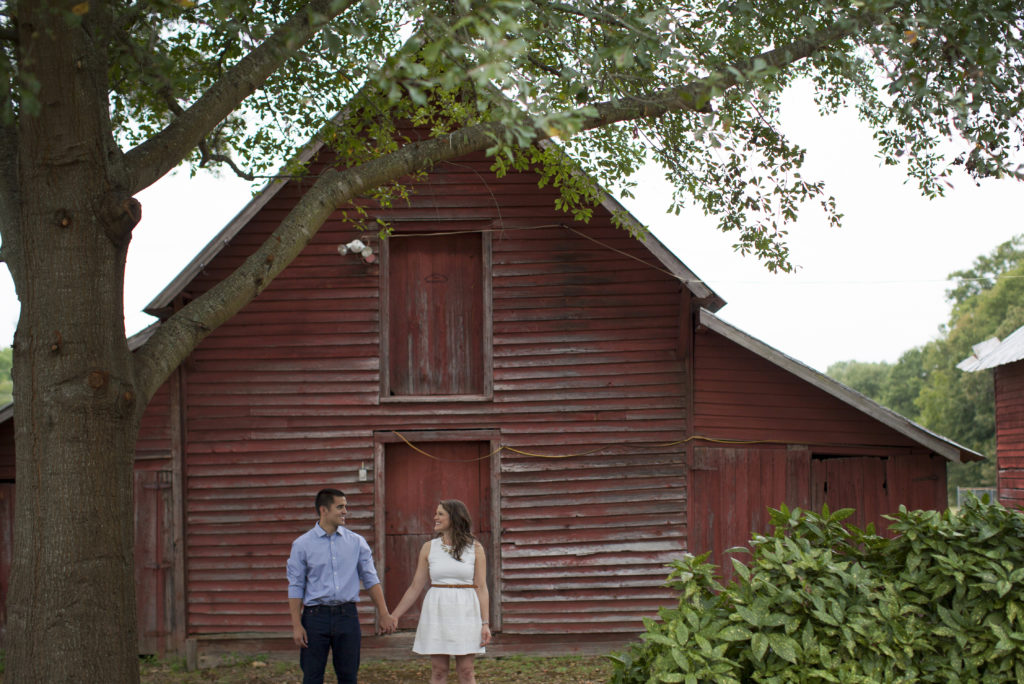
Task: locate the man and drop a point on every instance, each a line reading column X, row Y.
column 324, row 571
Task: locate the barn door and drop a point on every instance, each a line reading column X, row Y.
column 153, row 559
column 857, row 482
column 730, row 492
column 413, row 486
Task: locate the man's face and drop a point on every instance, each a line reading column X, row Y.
column 335, row 513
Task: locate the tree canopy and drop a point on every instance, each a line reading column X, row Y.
column 101, row 98
column 694, row 85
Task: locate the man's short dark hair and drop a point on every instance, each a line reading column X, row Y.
column 326, row 497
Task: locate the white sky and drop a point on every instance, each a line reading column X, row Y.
column 867, row 291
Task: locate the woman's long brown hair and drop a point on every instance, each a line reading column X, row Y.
column 461, row 523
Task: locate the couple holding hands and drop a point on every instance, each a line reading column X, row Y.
column 328, row 563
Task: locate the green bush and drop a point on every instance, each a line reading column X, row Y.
column 822, row 602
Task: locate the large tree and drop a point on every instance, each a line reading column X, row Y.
column 104, row 97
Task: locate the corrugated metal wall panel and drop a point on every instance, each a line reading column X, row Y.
column 284, row 399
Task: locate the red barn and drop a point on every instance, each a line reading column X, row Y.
column 1006, row 359
column 571, row 383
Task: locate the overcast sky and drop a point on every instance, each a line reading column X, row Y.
column 867, row 291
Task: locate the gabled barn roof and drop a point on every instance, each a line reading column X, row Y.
column 992, row 352
column 160, row 304
column 923, row 436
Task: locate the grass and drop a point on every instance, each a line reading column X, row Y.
column 504, row 670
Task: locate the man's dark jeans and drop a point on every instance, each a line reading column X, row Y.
column 334, row 629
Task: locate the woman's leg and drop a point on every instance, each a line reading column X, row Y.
column 464, row 668
column 438, row 669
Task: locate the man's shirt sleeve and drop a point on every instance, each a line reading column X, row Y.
column 297, row 571
column 367, row 573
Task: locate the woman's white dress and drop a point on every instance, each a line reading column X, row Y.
column 450, row 620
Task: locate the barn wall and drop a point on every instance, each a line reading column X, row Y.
column 7, row 451
column 1009, row 393
column 739, row 395
column 153, row 446
column 285, row 398
column 808, row 449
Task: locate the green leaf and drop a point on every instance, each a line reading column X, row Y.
column 735, row 633
column 759, row 646
column 784, row 646
column 749, row 616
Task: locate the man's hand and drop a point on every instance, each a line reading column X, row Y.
column 299, row 636
column 388, row 624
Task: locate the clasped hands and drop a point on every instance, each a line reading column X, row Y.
column 388, row 625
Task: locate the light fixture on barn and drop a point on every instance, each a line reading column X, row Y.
column 359, row 247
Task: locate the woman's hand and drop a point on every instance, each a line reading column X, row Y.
column 485, row 635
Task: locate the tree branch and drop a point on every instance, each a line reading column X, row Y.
column 696, row 95
column 149, row 161
column 179, row 334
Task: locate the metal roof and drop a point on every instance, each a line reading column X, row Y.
column 992, row 352
column 922, row 435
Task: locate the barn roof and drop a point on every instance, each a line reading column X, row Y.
column 160, row 304
column 919, row 434
column 992, row 352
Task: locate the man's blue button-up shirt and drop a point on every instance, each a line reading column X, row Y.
column 326, row 568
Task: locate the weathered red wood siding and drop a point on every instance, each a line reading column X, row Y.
column 836, row 454
column 7, row 451
column 153, row 446
column 732, row 488
column 1009, row 391
column 739, row 395
column 285, row 398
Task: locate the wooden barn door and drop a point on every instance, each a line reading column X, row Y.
column 730, row 492
column 153, row 559
column 414, row 484
column 857, row 482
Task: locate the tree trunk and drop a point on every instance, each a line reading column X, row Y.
column 71, row 608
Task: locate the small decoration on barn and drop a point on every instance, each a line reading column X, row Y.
column 359, row 247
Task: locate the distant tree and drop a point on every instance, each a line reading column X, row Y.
column 871, row 379
column 894, row 385
column 6, row 384
column 985, row 271
column 905, row 382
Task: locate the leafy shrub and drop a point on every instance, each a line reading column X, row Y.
column 822, row 602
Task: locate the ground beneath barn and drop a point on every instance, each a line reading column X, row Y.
column 502, row 670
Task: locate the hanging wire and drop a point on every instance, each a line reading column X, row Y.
column 499, row 227
column 637, row 445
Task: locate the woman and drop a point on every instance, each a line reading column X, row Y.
column 453, row 620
